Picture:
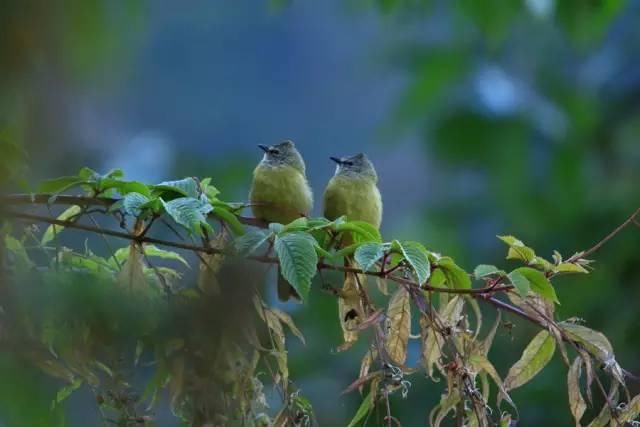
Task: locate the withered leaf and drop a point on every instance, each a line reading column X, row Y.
column 287, row 320
column 577, row 404
column 350, row 310
column 534, row 358
column 399, row 326
column 482, row 364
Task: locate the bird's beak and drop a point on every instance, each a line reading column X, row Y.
column 337, row 160
column 264, row 148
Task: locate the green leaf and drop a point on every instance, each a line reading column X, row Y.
column 517, row 249
column 53, row 229
column 66, row 391
column 298, row 224
column 539, row 283
column 298, row 260
column 361, row 231
column 188, row 212
column 125, row 187
column 484, row 270
column 416, row 256
column 15, row 246
column 133, row 202
column 520, row 282
column 456, row 277
column 249, row 242
column 151, row 251
column 363, row 410
column 187, row 187
column 569, row 267
column 88, row 174
column 368, row 254
column 230, row 219
column 534, row 358
column 58, row 185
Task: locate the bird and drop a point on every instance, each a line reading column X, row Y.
column 352, row 192
column 281, row 193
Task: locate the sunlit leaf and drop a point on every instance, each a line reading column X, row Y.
column 517, row 249
column 569, row 267
column 539, row 283
column 534, row 358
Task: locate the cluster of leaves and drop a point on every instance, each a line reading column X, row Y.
column 210, row 363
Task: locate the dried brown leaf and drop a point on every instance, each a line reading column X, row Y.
column 350, row 310
column 399, row 326
column 287, row 320
column 577, row 404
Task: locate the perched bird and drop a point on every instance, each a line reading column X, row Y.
column 352, row 192
column 280, row 193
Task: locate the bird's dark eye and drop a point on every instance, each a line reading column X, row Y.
column 348, row 163
column 274, row 151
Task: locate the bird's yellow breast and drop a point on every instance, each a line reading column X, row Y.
column 280, row 194
column 357, row 198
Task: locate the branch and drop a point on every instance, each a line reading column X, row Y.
column 53, row 199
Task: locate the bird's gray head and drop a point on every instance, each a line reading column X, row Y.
column 358, row 166
column 282, row 154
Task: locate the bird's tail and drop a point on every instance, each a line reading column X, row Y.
column 286, row 292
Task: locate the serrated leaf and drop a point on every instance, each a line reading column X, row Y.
column 53, row 229
column 250, row 242
column 539, row 283
column 416, row 255
column 363, row 410
column 484, row 270
column 188, row 212
column 187, row 187
column 399, row 326
column 298, row 260
column 520, row 283
column 455, row 276
column 133, row 202
column 534, row 358
column 577, row 405
column 368, row 254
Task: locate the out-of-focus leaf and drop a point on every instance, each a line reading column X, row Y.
column 534, row 358
column 539, row 283
column 368, row 254
column 151, row 251
column 399, row 326
column 58, row 185
column 298, row 260
column 17, row 250
column 481, row 363
column 577, row 405
column 66, row 391
column 365, row 407
column 53, row 229
column 287, row 320
column 248, row 243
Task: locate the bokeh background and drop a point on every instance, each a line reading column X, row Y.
column 482, row 118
